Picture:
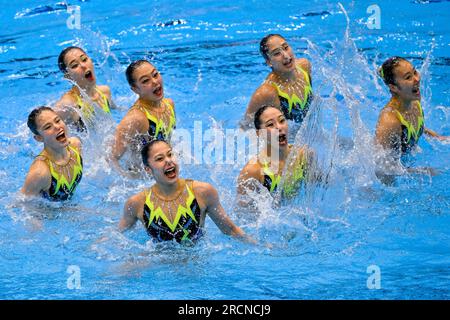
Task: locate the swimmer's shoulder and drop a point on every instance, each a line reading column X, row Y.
column 305, row 64
column 388, row 121
column 204, row 192
column 105, row 90
column 265, row 94
column 135, row 203
column 388, row 115
column 67, row 100
column 134, row 119
column 75, row 142
column 171, row 102
column 39, row 173
column 252, row 170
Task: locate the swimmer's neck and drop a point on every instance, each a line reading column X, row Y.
column 168, row 190
column 402, row 104
column 286, row 76
column 151, row 103
column 89, row 89
column 57, row 154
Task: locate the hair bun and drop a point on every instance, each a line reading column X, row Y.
column 380, row 72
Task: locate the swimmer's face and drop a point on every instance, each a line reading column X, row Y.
column 52, row 130
column 80, row 67
column 281, row 56
column 148, row 82
column 407, row 81
column 162, row 163
column 274, row 122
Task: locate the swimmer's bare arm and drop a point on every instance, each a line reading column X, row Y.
column 107, row 91
column 217, row 213
column 264, row 95
column 247, row 181
column 38, row 179
column 388, row 134
column 131, row 209
column 131, row 125
column 434, row 134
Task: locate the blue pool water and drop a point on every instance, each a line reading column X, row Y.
column 324, row 240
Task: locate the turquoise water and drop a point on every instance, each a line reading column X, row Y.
column 325, row 239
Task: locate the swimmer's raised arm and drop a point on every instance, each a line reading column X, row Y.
column 217, row 213
column 38, row 179
column 433, row 134
column 132, row 207
column 264, row 95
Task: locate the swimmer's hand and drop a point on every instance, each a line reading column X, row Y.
column 443, row 139
column 423, row 170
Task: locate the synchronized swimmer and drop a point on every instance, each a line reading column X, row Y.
column 175, row 209
column 267, row 168
column 76, row 106
column 288, row 87
column 151, row 117
column 57, row 170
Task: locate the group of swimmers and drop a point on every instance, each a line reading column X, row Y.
column 174, row 208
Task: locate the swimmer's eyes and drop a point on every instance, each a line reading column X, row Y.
column 73, row 66
column 269, row 124
column 276, row 53
column 282, row 119
column 84, row 58
column 159, row 159
column 145, row 81
column 286, row 47
column 155, row 74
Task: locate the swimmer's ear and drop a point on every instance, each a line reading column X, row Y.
column 38, row 138
column 135, row 90
column 148, row 170
column 393, row 88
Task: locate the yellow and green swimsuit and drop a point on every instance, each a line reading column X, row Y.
column 158, row 129
column 60, row 188
column 290, row 186
column 88, row 110
column 410, row 135
column 184, row 227
column 293, row 107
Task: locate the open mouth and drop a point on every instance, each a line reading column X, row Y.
column 170, row 172
column 61, row 137
column 282, row 139
column 89, row 75
column 288, row 63
column 158, row 91
column 416, row 90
